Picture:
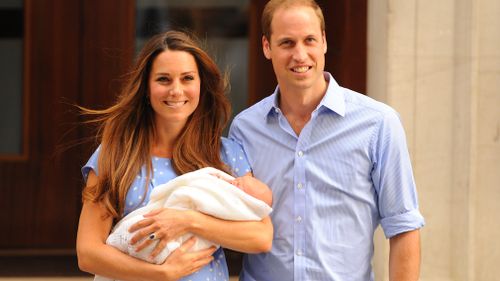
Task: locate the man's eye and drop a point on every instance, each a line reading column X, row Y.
column 311, row 40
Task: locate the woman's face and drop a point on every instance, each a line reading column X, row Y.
column 174, row 87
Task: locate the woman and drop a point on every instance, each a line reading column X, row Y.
column 167, row 121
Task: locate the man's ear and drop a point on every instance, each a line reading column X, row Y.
column 266, row 47
column 325, row 47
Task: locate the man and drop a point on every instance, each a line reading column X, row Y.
column 336, row 161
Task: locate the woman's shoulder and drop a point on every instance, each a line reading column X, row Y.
column 230, row 147
column 91, row 164
column 233, row 155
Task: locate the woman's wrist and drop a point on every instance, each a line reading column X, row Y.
column 162, row 272
column 192, row 220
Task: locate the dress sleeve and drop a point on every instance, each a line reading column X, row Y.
column 91, row 164
column 392, row 177
column 234, row 156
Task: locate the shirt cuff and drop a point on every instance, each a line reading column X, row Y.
column 402, row 223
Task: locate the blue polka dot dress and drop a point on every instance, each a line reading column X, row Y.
column 232, row 154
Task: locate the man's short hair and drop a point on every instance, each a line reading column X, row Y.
column 273, row 5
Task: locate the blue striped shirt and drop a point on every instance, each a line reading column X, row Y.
column 347, row 172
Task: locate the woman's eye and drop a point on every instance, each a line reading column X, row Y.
column 189, row 78
column 162, row 79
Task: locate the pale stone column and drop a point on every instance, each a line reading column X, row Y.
column 438, row 64
column 486, row 141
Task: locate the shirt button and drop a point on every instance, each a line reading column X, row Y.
column 299, row 253
column 299, row 219
column 299, row 185
column 300, row 153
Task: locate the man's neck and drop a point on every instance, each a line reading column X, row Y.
column 298, row 105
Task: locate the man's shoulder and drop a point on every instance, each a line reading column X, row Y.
column 259, row 109
column 358, row 101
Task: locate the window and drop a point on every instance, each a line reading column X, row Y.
column 11, row 73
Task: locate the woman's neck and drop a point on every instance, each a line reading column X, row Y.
column 165, row 139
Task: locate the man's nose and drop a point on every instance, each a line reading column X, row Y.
column 300, row 53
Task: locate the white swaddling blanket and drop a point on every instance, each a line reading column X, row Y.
column 200, row 190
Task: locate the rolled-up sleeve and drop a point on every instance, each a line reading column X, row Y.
column 392, row 177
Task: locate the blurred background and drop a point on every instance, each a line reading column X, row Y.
column 436, row 62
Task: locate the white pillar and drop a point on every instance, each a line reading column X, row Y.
column 438, row 64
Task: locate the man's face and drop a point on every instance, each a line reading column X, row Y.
column 296, row 48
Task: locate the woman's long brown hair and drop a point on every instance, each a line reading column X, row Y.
column 126, row 130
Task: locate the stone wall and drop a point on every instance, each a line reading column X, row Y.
column 438, row 64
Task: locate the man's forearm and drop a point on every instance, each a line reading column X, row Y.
column 404, row 257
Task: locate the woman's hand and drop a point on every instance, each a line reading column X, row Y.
column 181, row 262
column 165, row 224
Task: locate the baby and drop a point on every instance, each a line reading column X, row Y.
column 251, row 186
column 207, row 190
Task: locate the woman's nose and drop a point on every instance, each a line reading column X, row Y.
column 176, row 89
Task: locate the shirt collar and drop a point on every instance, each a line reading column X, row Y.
column 333, row 98
column 271, row 107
